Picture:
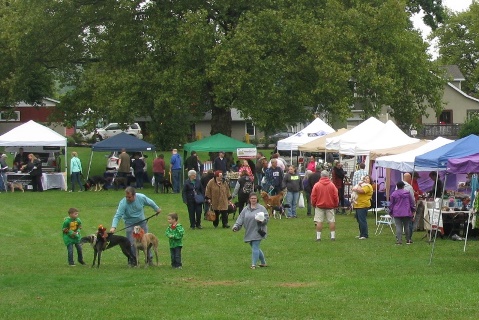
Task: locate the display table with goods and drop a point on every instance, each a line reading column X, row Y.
column 50, row 180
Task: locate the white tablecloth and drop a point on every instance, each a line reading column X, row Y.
column 54, row 180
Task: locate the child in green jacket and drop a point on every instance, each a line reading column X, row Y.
column 71, row 235
column 175, row 233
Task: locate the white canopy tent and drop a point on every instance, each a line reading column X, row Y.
column 389, row 136
column 32, row 134
column 363, row 132
column 315, row 129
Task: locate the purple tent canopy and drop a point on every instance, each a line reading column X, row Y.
column 467, row 164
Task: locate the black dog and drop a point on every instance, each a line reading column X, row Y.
column 102, row 241
column 120, row 182
column 96, row 181
column 167, row 186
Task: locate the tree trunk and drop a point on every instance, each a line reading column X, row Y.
column 220, row 121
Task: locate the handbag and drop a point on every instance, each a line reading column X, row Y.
column 301, row 201
column 199, row 198
column 210, row 215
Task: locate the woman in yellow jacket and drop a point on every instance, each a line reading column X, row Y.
column 365, row 192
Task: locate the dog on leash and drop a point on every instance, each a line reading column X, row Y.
column 144, row 242
column 272, row 202
column 96, row 181
column 279, row 212
column 15, row 185
column 102, row 241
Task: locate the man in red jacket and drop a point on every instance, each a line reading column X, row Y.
column 324, row 198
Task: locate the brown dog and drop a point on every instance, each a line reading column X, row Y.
column 15, row 185
column 144, row 242
column 272, row 202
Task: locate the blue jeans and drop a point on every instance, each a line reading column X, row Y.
column 3, row 181
column 257, row 253
column 75, row 178
column 176, row 176
column 361, row 214
column 176, row 257
column 292, row 199
column 129, row 235
column 70, row 253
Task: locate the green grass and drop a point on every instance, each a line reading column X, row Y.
column 372, row 279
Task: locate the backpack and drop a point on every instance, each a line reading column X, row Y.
column 248, row 187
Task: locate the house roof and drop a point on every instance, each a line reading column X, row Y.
column 454, row 72
column 462, row 92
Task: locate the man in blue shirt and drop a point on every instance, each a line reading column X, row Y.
column 175, row 168
column 130, row 209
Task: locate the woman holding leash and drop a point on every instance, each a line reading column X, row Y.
column 254, row 219
column 218, row 196
column 76, row 171
column 193, row 198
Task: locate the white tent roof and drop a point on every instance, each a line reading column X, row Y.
column 315, row 129
column 32, row 134
column 319, row 144
column 363, row 132
column 389, row 136
column 404, row 162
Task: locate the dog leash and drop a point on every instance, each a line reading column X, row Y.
column 137, row 223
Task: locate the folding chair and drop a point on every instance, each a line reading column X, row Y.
column 385, row 219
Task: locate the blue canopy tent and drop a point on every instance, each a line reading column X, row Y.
column 448, row 158
column 118, row 142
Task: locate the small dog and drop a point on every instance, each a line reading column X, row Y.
column 144, row 242
column 279, row 212
column 167, row 186
column 233, row 209
column 96, row 181
column 102, row 241
column 272, row 201
column 15, row 185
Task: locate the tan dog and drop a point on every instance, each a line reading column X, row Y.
column 272, row 202
column 144, row 241
column 15, row 185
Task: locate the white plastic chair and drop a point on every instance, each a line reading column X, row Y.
column 385, row 219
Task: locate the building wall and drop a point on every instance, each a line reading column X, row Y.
column 456, row 101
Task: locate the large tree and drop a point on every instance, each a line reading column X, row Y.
column 459, row 44
column 272, row 60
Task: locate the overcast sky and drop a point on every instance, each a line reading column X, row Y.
column 455, row 5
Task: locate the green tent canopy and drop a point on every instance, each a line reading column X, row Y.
column 216, row 143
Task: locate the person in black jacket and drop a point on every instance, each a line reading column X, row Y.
column 244, row 186
column 191, row 162
column 34, row 168
column 192, row 187
column 220, row 163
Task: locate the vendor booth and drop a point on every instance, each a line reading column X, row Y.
column 460, row 156
column 35, row 135
column 117, row 143
column 314, row 130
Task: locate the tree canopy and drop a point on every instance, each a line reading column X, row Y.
column 172, row 61
column 459, row 44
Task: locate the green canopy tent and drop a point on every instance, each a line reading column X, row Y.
column 215, row 143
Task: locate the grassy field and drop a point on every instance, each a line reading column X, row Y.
column 372, row 279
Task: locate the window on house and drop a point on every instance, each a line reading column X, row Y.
column 472, row 113
column 250, row 129
column 445, row 117
column 10, row 116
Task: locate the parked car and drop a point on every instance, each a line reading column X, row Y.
column 279, row 136
column 112, row 129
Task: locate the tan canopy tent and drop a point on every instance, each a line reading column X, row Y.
column 396, row 150
column 319, row 145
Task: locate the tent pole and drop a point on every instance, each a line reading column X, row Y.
column 89, row 164
column 440, row 213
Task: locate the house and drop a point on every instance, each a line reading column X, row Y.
column 24, row 112
column 458, row 107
